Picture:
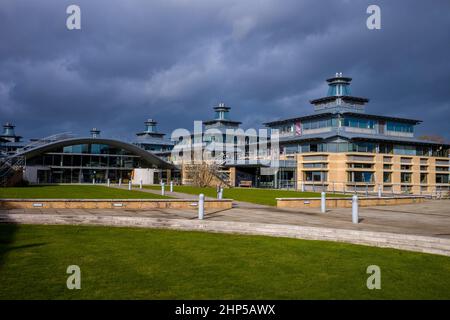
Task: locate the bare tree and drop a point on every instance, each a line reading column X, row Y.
column 433, row 137
column 204, row 174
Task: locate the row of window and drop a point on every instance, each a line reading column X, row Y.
column 317, row 124
column 359, row 123
column 353, row 122
column 368, row 177
column 92, row 149
column 364, row 147
column 56, row 160
column 399, row 127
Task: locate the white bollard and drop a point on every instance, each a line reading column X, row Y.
column 201, row 206
column 140, row 184
column 303, row 187
column 379, row 191
column 120, row 182
column 355, row 218
column 171, row 186
column 93, row 181
column 162, row 188
column 129, row 185
column 220, row 193
column 323, row 206
column 108, row 182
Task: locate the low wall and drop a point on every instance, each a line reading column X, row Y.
column 111, row 203
column 346, row 202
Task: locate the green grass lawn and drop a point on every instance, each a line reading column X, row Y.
column 133, row 263
column 74, row 192
column 253, row 195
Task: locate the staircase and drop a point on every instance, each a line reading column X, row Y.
column 11, row 169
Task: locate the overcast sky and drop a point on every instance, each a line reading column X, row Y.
column 173, row 60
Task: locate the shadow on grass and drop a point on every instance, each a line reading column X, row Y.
column 33, row 186
column 7, row 236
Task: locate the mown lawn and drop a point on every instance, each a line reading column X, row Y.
column 74, row 192
column 253, row 195
column 133, row 263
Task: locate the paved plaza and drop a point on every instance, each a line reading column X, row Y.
column 431, row 218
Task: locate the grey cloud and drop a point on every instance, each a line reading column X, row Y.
column 173, row 60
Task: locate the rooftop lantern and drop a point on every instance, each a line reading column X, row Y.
column 8, row 130
column 95, row 133
column 221, row 111
column 339, row 85
column 150, row 126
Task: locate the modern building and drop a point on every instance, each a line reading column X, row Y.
column 342, row 147
column 90, row 159
column 338, row 147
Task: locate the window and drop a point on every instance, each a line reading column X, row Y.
column 317, row 124
column 423, row 178
column 399, row 127
column 79, row 148
column 360, row 165
column 386, row 148
column 359, row 123
column 360, row 176
column 405, row 177
column 291, row 149
column 387, row 177
column 314, row 165
column 387, row 166
column 315, row 176
column 361, row 147
column 404, row 150
column 441, row 178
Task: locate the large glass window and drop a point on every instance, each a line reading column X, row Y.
column 361, row 147
column 79, row 148
column 405, row 149
column 317, row 124
column 386, row 148
column 360, row 176
column 359, row 123
column 399, row 127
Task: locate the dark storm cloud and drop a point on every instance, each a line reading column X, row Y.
column 173, row 60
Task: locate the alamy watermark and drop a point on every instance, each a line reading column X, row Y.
column 232, row 146
column 374, row 280
column 373, row 22
column 74, row 280
column 73, row 21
